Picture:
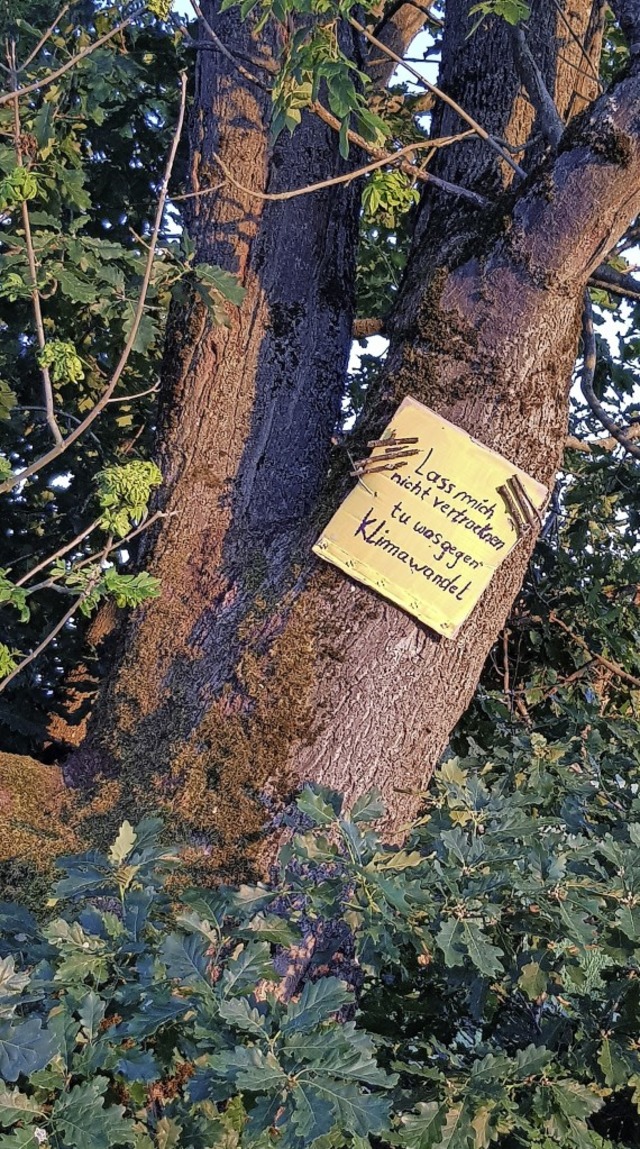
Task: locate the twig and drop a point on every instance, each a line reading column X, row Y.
column 224, row 51
column 56, row 451
column 586, row 446
column 56, row 629
column 138, row 395
column 578, row 41
column 348, row 177
column 116, row 546
column 608, row 279
column 404, row 165
column 478, row 129
column 92, row 558
column 43, row 39
column 38, row 85
column 505, row 668
column 59, row 553
column 47, row 386
column 612, row 666
column 586, row 382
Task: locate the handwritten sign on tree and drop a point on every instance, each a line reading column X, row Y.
column 430, row 535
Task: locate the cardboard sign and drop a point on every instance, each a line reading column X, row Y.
column 430, row 535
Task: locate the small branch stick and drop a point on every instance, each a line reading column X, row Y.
column 348, row 177
column 612, row 666
column 56, row 451
column 38, row 85
column 56, row 629
column 478, row 129
column 551, row 125
column 409, row 169
column 586, row 382
column 224, row 51
column 59, row 554
column 33, row 267
column 43, row 39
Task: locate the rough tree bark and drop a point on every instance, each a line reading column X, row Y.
column 257, row 667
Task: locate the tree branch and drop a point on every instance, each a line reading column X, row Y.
column 399, row 27
column 386, row 158
column 56, row 629
column 586, row 446
column 617, row 282
column 586, row 382
column 547, row 114
column 612, row 666
column 404, row 166
column 38, row 85
column 58, row 450
column 43, row 39
column 31, row 258
column 478, row 129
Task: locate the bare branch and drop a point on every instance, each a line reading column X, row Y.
column 586, row 382
column 385, row 159
column 586, row 446
column 478, row 129
column 61, row 552
column 404, row 166
column 43, row 39
column 548, row 116
column 224, row 51
column 58, row 450
column 57, row 628
column 38, row 85
column 31, row 260
column 607, row 279
column 614, row 667
column 138, row 395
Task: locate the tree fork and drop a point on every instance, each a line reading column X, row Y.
column 260, row 669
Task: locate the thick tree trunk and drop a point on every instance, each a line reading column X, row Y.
column 258, row 668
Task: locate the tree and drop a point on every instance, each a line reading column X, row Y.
column 255, row 668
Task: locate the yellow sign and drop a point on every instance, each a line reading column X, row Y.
column 429, row 535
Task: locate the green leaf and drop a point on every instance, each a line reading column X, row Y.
column 532, row 980
column 485, row 956
column 78, row 290
column 322, row 806
column 614, row 1066
column 223, row 282
column 16, row 1106
column 250, row 964
column 239, row 1014
column 187, row 959
column 369, row 807
column 250, row 1068
column 318, row 1000
column 24, row 1048
column 421, row 1128
column 91, row 1014
column 84, row 1120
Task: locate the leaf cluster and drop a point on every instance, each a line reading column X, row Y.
column 478, row 986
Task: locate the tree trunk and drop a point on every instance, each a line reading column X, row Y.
column 258, row 667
